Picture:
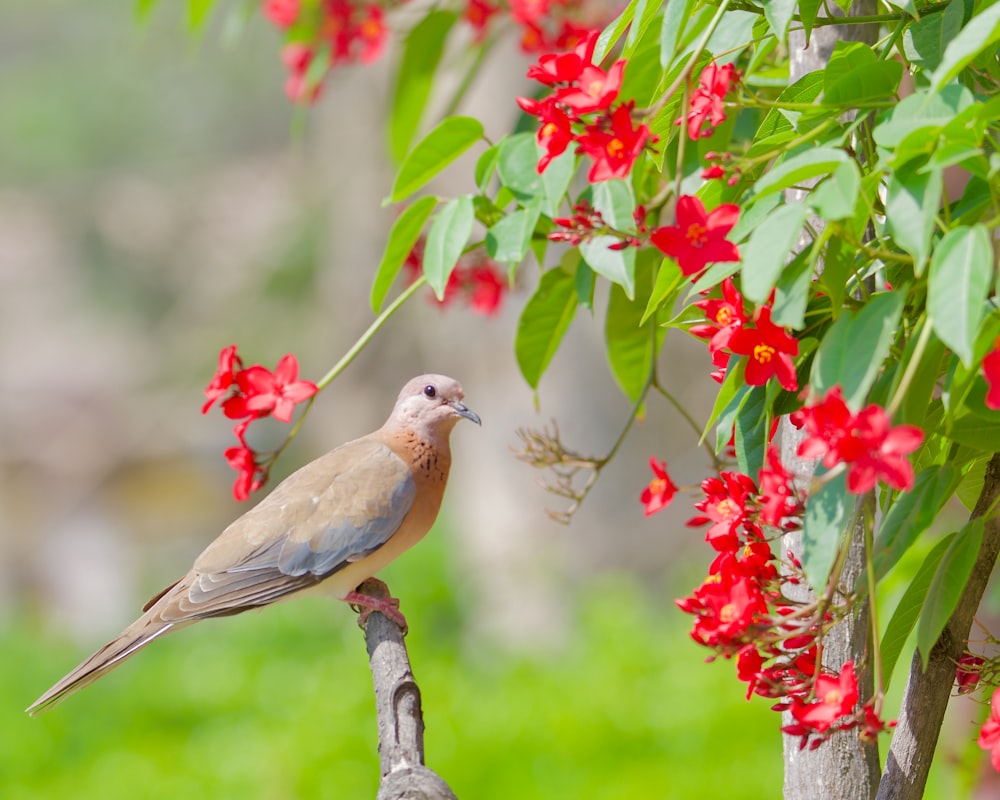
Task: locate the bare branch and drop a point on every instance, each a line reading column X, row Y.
column 400, row 718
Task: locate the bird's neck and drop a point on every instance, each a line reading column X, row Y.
column 429, row 457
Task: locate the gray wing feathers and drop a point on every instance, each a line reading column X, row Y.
column 347, row 505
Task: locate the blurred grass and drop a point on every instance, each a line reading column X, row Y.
column 279, row 704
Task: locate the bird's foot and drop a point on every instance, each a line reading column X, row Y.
column 365, row 603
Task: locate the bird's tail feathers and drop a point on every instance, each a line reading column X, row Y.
column 130, row 641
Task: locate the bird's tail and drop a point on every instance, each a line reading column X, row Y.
column 130, row 641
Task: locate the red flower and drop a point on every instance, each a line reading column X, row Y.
column 613, row 152
column 251, row 475
column 835, row 698
column 865, row 441
column 660, row 491
column 776, row 494
column 989, row 735
column 372, row 34
column 725, row 316
column 699, row 237
column 553, row 68
column 486, row 288
column 274, row 393
column 595, row 89
column 282, row 13
column 529, row 11
column 770, row 350
column 706, row 102
column 297, row 57
column 225, row 374
column 713, row 171
column 479, row 13
column 991, row 371
column 727, row 606
column 555, row 133
column 726, row 507
column 967, row 672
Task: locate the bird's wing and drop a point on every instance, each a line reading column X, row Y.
column 335, row 510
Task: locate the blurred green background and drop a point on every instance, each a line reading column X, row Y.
column 159, row 200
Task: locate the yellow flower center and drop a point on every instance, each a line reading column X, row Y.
column 833, row 697
column 725, row 316
column 763, row 353
column 615, row 148
column 727, row 508
column 657, row 486
column 727, row 613
column 697, row 234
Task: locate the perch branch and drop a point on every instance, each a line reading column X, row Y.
column 400, row 718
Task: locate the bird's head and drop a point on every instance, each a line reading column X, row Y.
column 430, row 405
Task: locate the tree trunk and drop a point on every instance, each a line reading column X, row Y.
column 844, row 767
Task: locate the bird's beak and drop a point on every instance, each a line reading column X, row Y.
column 463, row 411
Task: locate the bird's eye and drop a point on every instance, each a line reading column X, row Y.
column 430, row 391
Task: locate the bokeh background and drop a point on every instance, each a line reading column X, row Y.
column 159, row 199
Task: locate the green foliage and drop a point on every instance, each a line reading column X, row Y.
column 439, row 148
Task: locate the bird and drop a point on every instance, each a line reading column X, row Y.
column 325, row 529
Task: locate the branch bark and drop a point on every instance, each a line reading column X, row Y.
column 399, row 713
column 928, row 691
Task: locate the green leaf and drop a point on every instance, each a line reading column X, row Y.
column 808, row 10
column 645, row 12
column 198, row 12
column 677, row 13
column 813, row 163
column 732, row 385
column 804, row 90
column 765, row 254
column 791, row 296
column 855, row 75
column 556, row 180
column 402, row 237
column 976, row 432
column 960, row 276
column 669, row 280
column 823, row 530
column 925, row 39
column 906, row 613
column 837, row 360
column 507, row 241
column 911, row 514
column 518, row 170
column 981, row 32
column 836, row 197
column 613, row 32
column 751, row 431
column 922, row 112
column 439, row 148
column 726, row 426
column 615, row 201
column 971, row 486
column 486, row 166
column 917, row 398
column 947, row 585
column 446, row 239
column 631, row 346
column 779, row 14
column 912, row 202
column 735, row 30
column 421, row 55
column 543, row 323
